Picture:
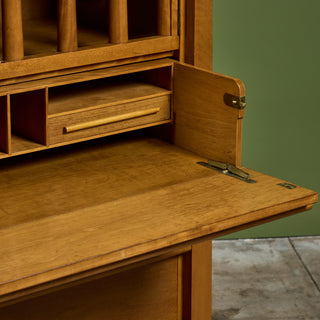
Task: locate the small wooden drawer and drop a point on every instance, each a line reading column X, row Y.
column 102, row 121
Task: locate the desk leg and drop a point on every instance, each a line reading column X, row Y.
column 197, row 282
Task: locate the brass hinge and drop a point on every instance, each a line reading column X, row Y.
column 228, row 169
column 234, row 101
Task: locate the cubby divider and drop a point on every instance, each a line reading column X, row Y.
column 28, row 120
column 5, row 145
column 105, row 106
column 67, row 109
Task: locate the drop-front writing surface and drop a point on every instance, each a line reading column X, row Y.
column 133, row 211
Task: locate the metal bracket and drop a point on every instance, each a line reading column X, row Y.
column 287, row 185
column 227, row 169
column 234, row 101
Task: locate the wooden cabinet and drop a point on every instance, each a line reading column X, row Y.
column 108, row 193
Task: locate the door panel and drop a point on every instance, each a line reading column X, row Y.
column 203, row 123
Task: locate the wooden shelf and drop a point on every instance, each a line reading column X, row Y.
column 99, row 93
column 41, row 38
column 130, row 185
column 21, row 145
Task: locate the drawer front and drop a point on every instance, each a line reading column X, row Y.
column 106, row 120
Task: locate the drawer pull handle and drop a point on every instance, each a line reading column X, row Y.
column 101, row 122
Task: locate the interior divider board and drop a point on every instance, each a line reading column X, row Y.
column 12, row 32
column 164, row 17
column 118, row 21
column 5, row 125
column 67, row 26
column 29, row 113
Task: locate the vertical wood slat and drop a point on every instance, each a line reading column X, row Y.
column 198, row 41
column 164, row 17
column 67, row 26
column 5, row 124
column 174, row 17
column 118, row 21
column 12, row 30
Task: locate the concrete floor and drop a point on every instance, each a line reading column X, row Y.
column 266, row 279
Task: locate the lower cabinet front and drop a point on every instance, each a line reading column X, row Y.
column 152, row 291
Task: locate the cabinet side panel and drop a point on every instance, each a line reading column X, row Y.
column 198, row 33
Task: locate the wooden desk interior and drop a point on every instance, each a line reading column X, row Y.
column 120, row 227
column 118, row 199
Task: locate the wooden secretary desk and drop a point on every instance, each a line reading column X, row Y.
column 120, row 159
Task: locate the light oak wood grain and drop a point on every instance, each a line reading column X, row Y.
column 74, row 126
column 203, row 122
column 90, row 163
column 169, row 216
column 201, row 281
column 89, row 56
column 175, row 17
column 56, row 73
column 5, row 125
column 12, row 31
column 197, row 270
column 111, row 119
column 199, row 37
column 67, row 26
column 29, row 115
column 87, row 76
column 96, row 94
column 139, row 293
column 121, row 227
column 118, row 21
column 102, row 272
column 164, row 17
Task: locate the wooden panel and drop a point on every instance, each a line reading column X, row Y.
column 175, row 17
column 148, row 292
column 29, row 115
column 91, row 56
column 94, row 94
column 197, row 271
column 100, row 121
column 110, row 232
column 5, row 125
column 203, row 122
column 93, row 75
column 199, row 35
column 153, row 166
column 164, row 17
column 201, row 282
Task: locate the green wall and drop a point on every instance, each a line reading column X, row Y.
column 273, row 46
